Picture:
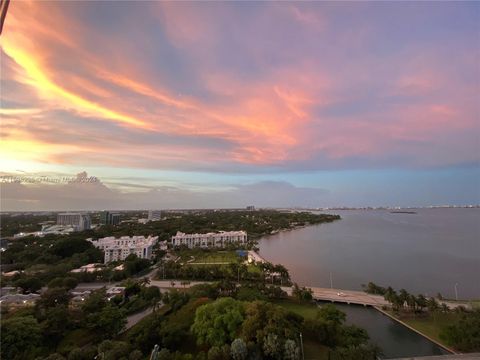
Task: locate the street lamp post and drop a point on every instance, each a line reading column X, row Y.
column 331, row 281
column 456, row 291
column 301, row 344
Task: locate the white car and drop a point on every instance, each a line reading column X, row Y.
column 341, row 294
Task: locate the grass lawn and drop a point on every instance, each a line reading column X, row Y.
column 308, row 311
column 313, row 350
column 200, row 257
column 254, row 269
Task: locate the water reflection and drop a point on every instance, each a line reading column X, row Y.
column 426, row 253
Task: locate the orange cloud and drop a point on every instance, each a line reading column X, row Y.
column 221, row 96
column 37, row 78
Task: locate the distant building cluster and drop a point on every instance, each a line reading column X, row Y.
column 67, row 223
column 47, row 230
column 220, row 239
column 119, row 248
column 108, row 218
column 78, row 221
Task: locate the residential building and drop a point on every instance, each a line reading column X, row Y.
column 251, row 208
column 220, row 239
column 88, row 268
column 79, row 221
column 8, row 290
column 118, row 249
column 11, row 273
column 108, row 218
column 19, row 299
column 115, row 291
column 78, row 297
column 154, row 215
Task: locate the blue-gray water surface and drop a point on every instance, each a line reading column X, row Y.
column 427, row 252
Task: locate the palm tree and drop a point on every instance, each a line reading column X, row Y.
column 421, row 302
column 390, row 295
column 432, row 304
column 397, row 302
column 403, row 295
column 144, row 281
column 411, row 302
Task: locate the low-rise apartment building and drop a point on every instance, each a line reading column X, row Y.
column 220, row 239
column 119, row 248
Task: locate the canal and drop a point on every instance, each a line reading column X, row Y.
column 393, row 338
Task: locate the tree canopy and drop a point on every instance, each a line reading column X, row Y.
column 218, row 323
column 464, row 335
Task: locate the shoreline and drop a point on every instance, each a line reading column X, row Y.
column 472, row 300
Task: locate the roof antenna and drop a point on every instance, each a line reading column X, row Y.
column 3, row 11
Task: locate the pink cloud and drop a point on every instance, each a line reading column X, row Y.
column 271, row 102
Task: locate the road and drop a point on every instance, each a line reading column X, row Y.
column 167, row 284
column 348, row 296
column 325, row 294
column 135, row 318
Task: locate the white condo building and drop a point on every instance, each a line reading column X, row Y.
column 220, row 239
column 118, row 249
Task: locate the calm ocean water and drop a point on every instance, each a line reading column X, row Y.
column 427, row 252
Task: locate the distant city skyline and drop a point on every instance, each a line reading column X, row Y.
column 203, row 105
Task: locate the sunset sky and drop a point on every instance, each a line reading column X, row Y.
column 211, row 104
